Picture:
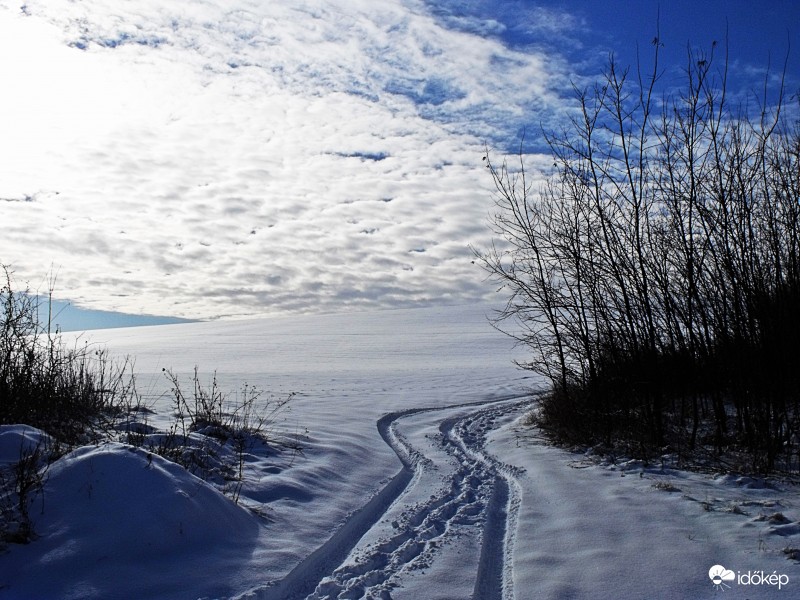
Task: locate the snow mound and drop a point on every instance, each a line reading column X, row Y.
column 117, row 491
column 16, row 441
column 122, row 507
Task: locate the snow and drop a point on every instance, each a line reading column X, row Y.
column 630, row 531
column 418, row 480
column 116, row 521
column 20, row 440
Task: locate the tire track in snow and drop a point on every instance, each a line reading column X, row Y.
column 495, row 568
column 481, row 491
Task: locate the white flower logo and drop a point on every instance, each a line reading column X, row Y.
column 719, row 575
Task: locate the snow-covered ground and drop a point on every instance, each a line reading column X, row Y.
column 418, row 480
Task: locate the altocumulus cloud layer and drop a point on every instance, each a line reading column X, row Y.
column 218, row 158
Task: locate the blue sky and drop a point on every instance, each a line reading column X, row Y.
column 235, row 158
column 757, row 32
column 67, row 317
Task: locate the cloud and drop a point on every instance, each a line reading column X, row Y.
column 224, row 159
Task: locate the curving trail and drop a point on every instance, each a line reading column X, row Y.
column 446, row 521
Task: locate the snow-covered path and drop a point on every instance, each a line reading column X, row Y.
column 450, row 505
column 484, row 509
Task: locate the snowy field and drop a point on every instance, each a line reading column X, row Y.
column 418, row 480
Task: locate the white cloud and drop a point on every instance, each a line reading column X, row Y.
column 219, row 159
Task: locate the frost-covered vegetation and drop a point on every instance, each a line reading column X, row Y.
column 656, row 276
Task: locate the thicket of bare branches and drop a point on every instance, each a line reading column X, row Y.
column 656, row 276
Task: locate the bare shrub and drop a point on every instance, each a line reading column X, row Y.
column 73, row 394
column 655, row 277
column 212, row 434
column 79, row 396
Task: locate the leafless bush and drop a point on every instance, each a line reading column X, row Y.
column 79, row 396
column 655, row 277
column 73, row 393
column 212, row 433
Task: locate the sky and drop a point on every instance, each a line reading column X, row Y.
column 221, row 159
